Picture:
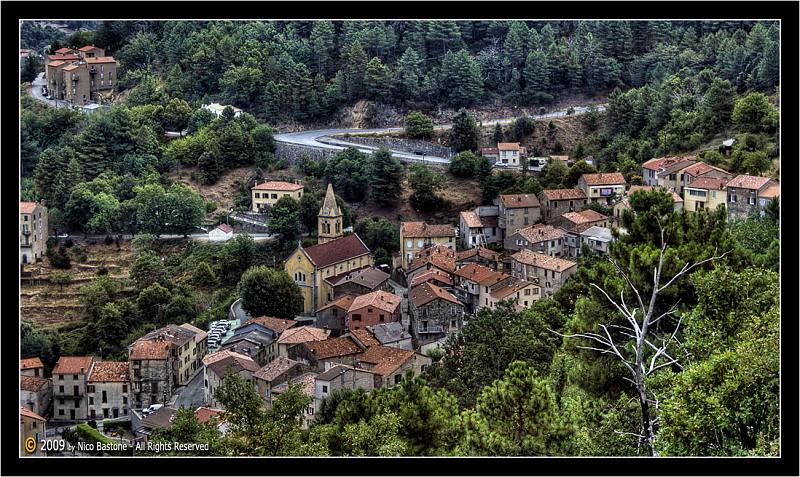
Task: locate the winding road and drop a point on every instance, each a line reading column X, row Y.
column 326, row 138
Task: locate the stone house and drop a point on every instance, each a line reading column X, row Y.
column 480, row 255
column 219, row 365
column 107, row 390
column 273, row 373
column 672, row 177
column 264, row 196
column 324, row 354
column 31, row 425
column 603, row 186
column 341, row 377
column 574, row 223
column 69, row 388
column 521, row 292
column 518, row 211
column 307, row 384
column 297, row 336
column 433, row 276
column 550, row 273
column 332, row 316
column 773, row 191
column 435, row 312
column 373, row 309
column 31, row 367
column 542, row 238
column 416, row 236
column 388, row 364
column 705, row 193
column 33, row 231
column 391, row 334
column 437, row 257
column 701, row 169
column 470, row 280
column 36, row 394
column 359, row 282
column 654, row 168
column 556, row 202
column 256, row 342
column 743, row 195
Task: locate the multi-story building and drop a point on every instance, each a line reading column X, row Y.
column 479, row 227
column 373, row 309
column 107, row 390
column 273, row 373
column 510, row 153
column 416, row 236
column 266, row 194
column 480, row 255
column 704, row 193
column 602, row 187
column 69, row 388
column 36, row 393
column 435, row 312
column 218, row 366
column 297, row 336
column 701, row 169
column 598, row 239
column 436, row 257
column 33, row 231
column 539, row 238
column 549, row 273
column 359, row 282
column 521, row 293
column 743, row 195
column 518, row 211
column 82, row 76
column 672, row 176
column 331, row 317
column 473, row 283
column 556, row 202
column 162, row 360
column 31, row 425
column 31, row 367
column 654, row 168
column 577, row 222
column 772, row 192
column 625, row 203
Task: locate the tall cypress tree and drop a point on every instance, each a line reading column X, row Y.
column 387, row 177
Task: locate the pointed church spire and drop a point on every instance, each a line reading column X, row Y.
column 329, row 220
column 329, row 207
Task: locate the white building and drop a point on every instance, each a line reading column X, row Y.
column 597, row 238
column 217, row 109
column 221, row 233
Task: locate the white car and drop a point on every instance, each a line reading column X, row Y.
column 150, row 410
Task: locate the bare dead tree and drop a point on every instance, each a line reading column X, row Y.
column 640, row 355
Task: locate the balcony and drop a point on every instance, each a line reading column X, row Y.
column 430, row 329
column 68, row 394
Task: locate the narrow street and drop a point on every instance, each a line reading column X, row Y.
column 191, row 395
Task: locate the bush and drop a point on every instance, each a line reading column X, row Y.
column 211, row 206
column 419, row 126
column 109, row 240
column 59, row 258
column 87, row 434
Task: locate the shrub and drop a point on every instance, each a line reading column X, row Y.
column 109, row 240
column 211, row 206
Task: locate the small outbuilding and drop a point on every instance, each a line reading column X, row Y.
column 221, row 233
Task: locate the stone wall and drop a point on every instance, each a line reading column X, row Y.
column 293, row 152
column 405, row 145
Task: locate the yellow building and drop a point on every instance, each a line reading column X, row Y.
column 312, row 268
column 704, row 193
column 415, row 236
column 268, row 193
column 31, row 425
column 329, row 219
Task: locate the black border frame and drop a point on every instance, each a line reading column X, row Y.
column 787, row 12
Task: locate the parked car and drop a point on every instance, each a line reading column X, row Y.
column 150, row 410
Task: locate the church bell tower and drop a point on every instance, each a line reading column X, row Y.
column 329, row 220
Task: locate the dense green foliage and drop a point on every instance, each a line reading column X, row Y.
column 271, row 292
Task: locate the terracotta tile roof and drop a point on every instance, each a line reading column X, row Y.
column 479, row 251
column 333, row 347
column 443, row 261
column 56, row 64
column 428, row 292
column 30, row 363
column 277, row 185
column 64, row 50
column 337, row 371
column 510, row 288
column 509, row 146
column 772, row 191
column 541, row 233
column 657, row 163
column 516, row 201
column 110, row 371
column 584, row 216
column 421, row 229
column 101, row 59
column 367, row 277
column 701, row 168
column 160, row 419
column 541, row 260
column 205, row 414
column 470, row 218
column 32, row 383
column 199, row 334
column 603, row 178
column 225, row 228
column 678, row 166
column 489, row 150
column 335, row 251
column 27, row 207
column 365, row 338
column 748, row 182
column 73, row 365
column 303, row 334
column 343, row 302
column 708, row 183
column 88, row 48
column 149, row 349
column 275, row 368
column 386, row 359
column 563, row 194
column 379, row 299
column 227, row 362
column 306, row 381
column 278, row 325
column 635, row 188
column 71, row 68
column 24, row 411
column 64, row 57
column 476, row 273
column 432, row 274
column 560, row 158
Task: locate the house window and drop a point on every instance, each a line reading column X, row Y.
column 91, row 400
column 61, row 412
column 420, row 243
column 356, row 317
column 74, row 376
column 124, row 399
column 274, row 196
column 751, row 200
column 61, row 389
column 409, row 243
column 105, row 398
column 324, row 389
column 124, row 388
column 381, row 318
column 397, row 378
column 258, row 195
column 90, row 389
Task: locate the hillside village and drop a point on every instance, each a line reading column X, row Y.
column 338, row 280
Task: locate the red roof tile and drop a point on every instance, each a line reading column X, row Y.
column 88, row 48
column 432, row 274
column 64, row 50
column 772, row 191
column 101, row 59
column 656, row 164
column 748, row 182
column 541, row 260
column 333, row 347
column 277, row 185
column 386, row 359
column 584, row 216
column 275, row 368
column 108, row 371
column 56, row 64
column 149, row 349
column 470, row 218
column 225, row 228
column 32, row 383
column 701, row 168
column 24, row 411
column 476, row 273
column 343, row 302
column 515, row 201
column 511, row 288
column 509, row 146
column 206, row 414
column 303, row 334
column 708, row 183
column 30, row 363
column 479, row 251
column 278, row 325
column 380, row 299
column 226, row 362
column 73, row 365
column 306, row 381
column 421, row 229
column 428, row 292
column 335, row 251
column 604, row 178
column 27, row 207
column 563, row 194
column 365, row 338
column 541, row 232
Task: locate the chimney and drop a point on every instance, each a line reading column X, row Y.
column 82, row 370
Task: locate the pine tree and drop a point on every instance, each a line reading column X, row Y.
column 386, row 178
column 460, row 78
column 377, row 79
column 537, row 77
column 465, row 133
column 498, row 133
column 408, row 76
column 355, row 62
column 517, row 43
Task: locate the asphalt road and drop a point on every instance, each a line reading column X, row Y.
column 326, row 138
column 193, row 394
